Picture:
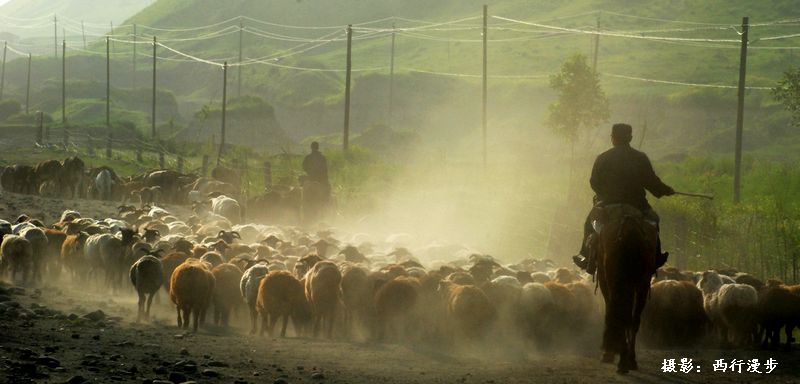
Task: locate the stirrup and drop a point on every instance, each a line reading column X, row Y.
column 661, row 259
column 581, row 261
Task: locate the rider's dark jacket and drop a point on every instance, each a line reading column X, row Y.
column 621, row 175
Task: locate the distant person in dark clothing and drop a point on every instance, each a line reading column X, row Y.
column 315, row 165
column 620, row 176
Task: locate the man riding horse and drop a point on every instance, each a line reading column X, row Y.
column 620, row 176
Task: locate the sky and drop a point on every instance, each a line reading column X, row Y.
column 4, row 1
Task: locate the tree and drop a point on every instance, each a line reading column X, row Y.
column 581, row 103
column 788, row 92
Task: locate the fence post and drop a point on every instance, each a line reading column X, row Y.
column 180, row 164
column 267, row 175
column 39, row 126
column 108, row 147
column 46, row 129
column 205, row 165
column 161, row 162
column 139, row 153
column 90, row 145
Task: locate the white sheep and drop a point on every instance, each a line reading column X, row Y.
column 249, row 288
column 227, row 207
column 16, row 254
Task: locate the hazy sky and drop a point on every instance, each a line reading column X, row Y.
column 4, row 1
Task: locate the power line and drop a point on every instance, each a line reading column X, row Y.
column 682, row 83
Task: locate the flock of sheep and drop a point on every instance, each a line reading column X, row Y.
column 354, row 286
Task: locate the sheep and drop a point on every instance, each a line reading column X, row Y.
column 322, row 288
column 357, row 294
column 170, row 263
column 72, row 254
column 213, row 258
column 147, row 195
column 248, row 286
column 536, row 312
column 17, row 255
column 69, row 215
column 674, row 315
column 191, row 290
column 469, row 310
column 226, row 207
column 147, row 276
column 103, row 183
column 778, row 307
column 226, row 291
column 281, row 295
column 55, row 239
column 113, row 254
column 395, row 304
column 735, row 307
column 38, row 240
column 229, row 236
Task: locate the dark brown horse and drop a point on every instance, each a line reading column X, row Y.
column 625, row 263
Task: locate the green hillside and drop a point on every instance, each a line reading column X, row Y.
column 306, row 88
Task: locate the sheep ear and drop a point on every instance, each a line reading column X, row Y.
column 157, row 232
column 237, row 235
column 221, row 233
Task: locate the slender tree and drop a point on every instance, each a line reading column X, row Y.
column 788, row 92
column 581, row 104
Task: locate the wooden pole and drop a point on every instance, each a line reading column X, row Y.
column 239, row 75
column 64, row 83
column 737, row 179
column 391, row 79
column 28, row 85
column 134, row 57
column 224, row 103
column 83, row 33
column 39, row 128
column 153, row 122
column 485, row 77
column 55, row 34
column 205, row 165
column 109, row 143
column 596, row 46
column 3, row 71
column 108, row 85
column 267, row 175
column 346, row 136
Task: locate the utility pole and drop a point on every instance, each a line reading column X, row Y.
column 3, row 71
column 391, row 80
column 485, row 77
column 134, row 57
column 737, row 178
column 596, row 46
column 28, row 87
column 83, row 32
column 239, row 75
column 55, row 34
column 108, row 84
column 224, row 103
column 346, row 136
column 154, row 89
column 64, row 83
column 112, row 28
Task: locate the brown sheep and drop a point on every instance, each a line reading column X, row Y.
column 305, row 264
column 281, row 295
column 357, row 293
column 323, row 291
column 17, row 255
column 226, row 292
column 395, row 304
column 55, row 239
column 72, row 255
column 778, row 308
column 469, row 310
column 170, row 262
column 674, row 315
column 191, row 289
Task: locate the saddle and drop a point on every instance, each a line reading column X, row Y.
column 602, row 215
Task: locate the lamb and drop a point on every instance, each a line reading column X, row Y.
column 322, row 288
column 17, row 255
column 395, row 304
column 191, row 289
column 248, row 286
column 227, row 207
column 147, row 276
column 226, row 291
column 280, row 295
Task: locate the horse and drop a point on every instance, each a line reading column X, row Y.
column 626, row 257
